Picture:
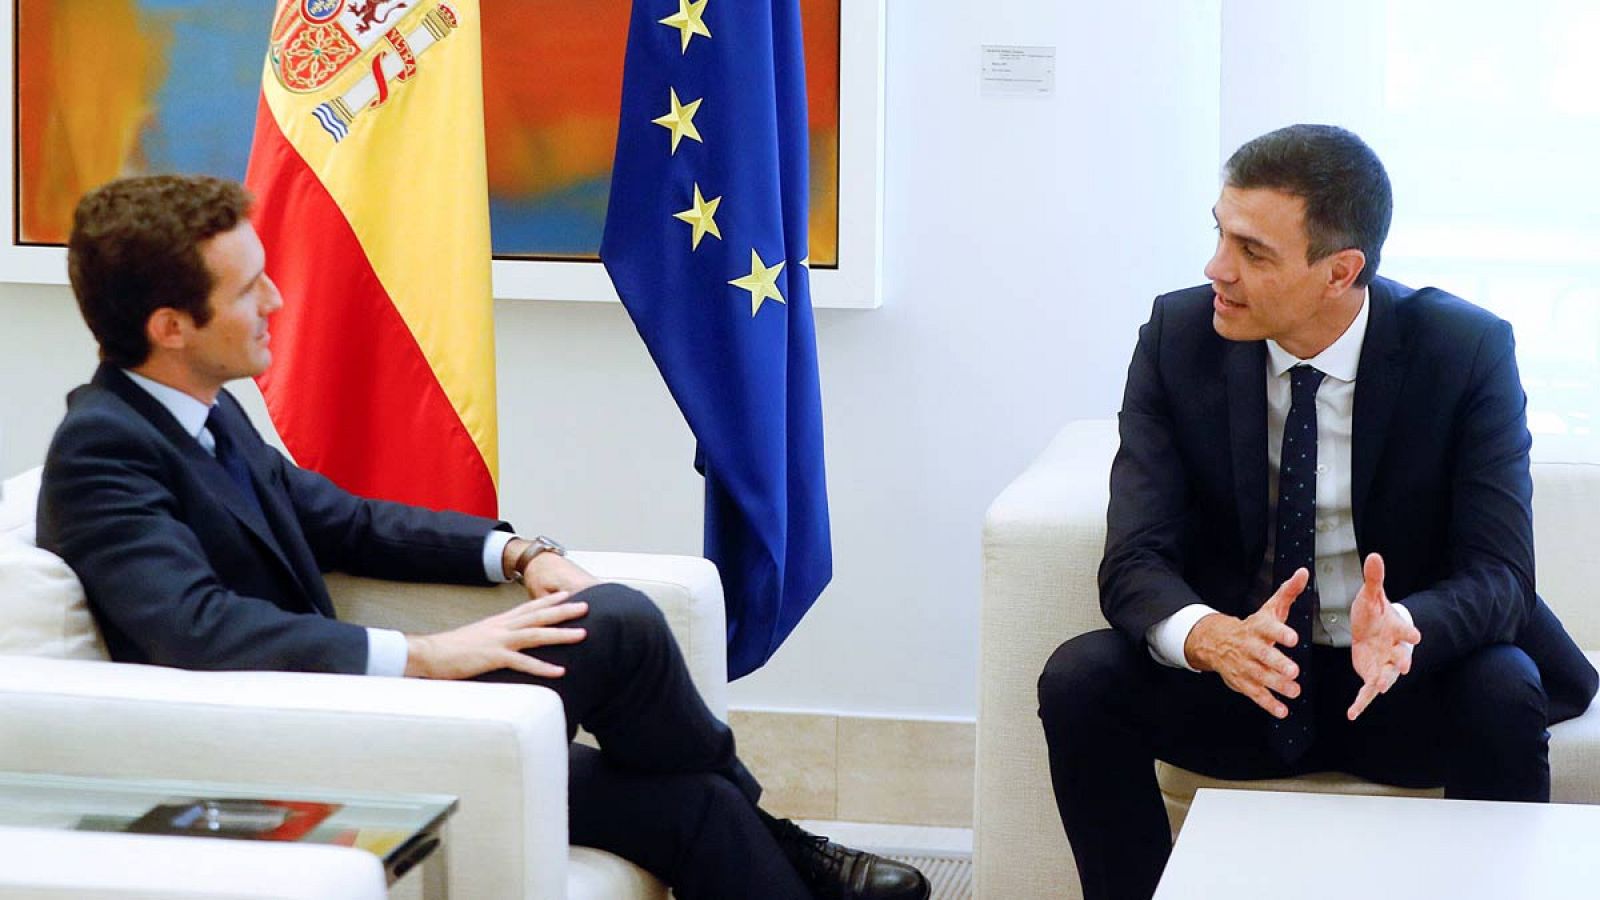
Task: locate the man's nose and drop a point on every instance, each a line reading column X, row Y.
column 1218, row 268
column 274, row 299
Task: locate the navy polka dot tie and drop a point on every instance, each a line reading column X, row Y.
column 1295, row 547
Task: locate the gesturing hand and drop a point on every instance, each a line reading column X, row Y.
column 497, row 642
column 1380, row 638
column 1244, row 651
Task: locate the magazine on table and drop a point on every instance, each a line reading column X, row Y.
column 257, row 820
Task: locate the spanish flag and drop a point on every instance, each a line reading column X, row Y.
column 371, row 199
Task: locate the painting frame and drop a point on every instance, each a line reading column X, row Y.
column 855, row 283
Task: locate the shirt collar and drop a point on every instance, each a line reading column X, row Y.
column 1339, row 360
column 190, row 413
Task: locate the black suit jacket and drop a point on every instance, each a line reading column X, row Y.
column 181, row 570
column 1440, row 479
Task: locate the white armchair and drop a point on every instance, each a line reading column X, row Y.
column 41, row 863
column 1043, row 538
column 500, row 748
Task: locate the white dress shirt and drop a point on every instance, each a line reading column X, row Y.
column 1338, row 574
column 386, row 649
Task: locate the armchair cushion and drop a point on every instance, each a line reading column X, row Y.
column 18, row 496
column 45, row 612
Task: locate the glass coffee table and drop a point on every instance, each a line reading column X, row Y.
column 400, row 829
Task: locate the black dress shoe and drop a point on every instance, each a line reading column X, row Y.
column 835, row 872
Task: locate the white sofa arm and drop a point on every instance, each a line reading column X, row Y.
column 501, row 749
column 689, row 592
column 685, row 587
column 1042, row 542
column 43, row 863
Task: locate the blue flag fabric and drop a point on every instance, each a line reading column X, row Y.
column 706, row 242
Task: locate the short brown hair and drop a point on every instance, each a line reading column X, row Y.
column 1345, row 189
column 135, row 248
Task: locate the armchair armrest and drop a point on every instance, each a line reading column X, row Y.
column 501, row 749
column 44, row 863
column 1042, row 542
column 685, row 587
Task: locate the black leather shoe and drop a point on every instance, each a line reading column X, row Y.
column 834, row 872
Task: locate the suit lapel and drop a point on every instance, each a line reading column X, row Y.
column 1245, row 368
column 1378, row 381
column 203, row 465
column 284, row 527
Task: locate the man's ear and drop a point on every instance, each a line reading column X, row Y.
column 1344, row 267
column 168, row 328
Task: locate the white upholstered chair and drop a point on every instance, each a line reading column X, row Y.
column 1042, row 542
column 500, row 748
column 41, row 863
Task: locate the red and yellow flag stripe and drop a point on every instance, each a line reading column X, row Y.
column 372, row 202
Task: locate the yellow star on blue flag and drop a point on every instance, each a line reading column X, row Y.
column 762, row 282
column 689, row 20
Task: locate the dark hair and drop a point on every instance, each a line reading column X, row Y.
column 135, row 248
column 1346, row 191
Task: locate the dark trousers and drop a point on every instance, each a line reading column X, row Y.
column 1477, row 727
column 666, row 790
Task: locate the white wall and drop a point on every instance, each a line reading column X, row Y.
column 1024, row 240
column 44, row 351
column 1293, row 62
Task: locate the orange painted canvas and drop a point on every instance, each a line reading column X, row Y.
column 116, row 87
column 122, row 87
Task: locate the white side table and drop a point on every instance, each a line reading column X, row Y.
column 1315, row 846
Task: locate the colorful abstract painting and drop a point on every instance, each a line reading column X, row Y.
column 119, row 87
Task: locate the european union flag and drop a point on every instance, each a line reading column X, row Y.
column 706, row 242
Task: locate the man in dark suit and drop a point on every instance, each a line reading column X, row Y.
column 199, row 546
column 1319, row 550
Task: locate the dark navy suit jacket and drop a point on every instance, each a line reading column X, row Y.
column 1440, row 479
column 181, row 570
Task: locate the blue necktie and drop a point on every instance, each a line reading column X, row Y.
column 1295, row 547
column 232, row 463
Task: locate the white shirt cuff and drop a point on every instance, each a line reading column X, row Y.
column 494, row 551
column 1167, row 637
column 386, row 653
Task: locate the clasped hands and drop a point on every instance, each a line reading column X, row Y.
column 1245, row 651
column 498, row 641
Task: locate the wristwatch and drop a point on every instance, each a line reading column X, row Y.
column 536, row 546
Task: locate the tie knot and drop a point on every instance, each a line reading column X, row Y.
column 1304, row 379
column 214, row 425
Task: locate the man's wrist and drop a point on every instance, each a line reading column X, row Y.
column 1194, row 644
column 417, row 659
column 1168, row 638
column 510, row 555
column 530, row 550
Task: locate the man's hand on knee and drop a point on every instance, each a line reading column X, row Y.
column 1245, row 651
column 497, row 642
